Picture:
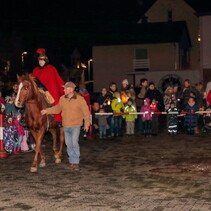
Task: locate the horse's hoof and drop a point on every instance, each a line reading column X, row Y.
column 42, row 165
column 33, row 169
column 58, row 160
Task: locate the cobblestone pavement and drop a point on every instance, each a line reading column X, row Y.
column 160, row 173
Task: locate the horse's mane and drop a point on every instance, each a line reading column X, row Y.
column 34, row 87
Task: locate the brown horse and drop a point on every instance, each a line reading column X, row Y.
column 33, row 101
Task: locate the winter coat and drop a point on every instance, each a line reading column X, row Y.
column 130, row 117
column 147, row 116
column 191, row 120
column 117, row 105
column 75, row 111
column 19, row 128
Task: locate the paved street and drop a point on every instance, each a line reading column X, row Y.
column 160, row 173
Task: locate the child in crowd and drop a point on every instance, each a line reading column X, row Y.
column 155, row 117
column 172, row 121
column 24, row 144
column 95, row 126
column 9, row 106
column 117, row 107
column 20, row 132
column 153, row 105
column 130, row 118
column 102, row 123
column 191, row 119
column 147, row 118
column 9, row 135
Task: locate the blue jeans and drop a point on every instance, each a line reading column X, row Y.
column 71, row 141
column 117, row 124
column 102, row 131
column 111, row 125
column 19, row 141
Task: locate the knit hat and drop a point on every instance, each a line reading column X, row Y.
column 8, row 99
column 125, row 81
column 147, row 100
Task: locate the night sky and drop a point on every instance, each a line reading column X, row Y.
column 61, row 26
column 62, row 11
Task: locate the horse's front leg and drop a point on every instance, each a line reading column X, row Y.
column 42, row 158
column 38, row 137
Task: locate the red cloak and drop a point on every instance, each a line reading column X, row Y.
column 50, row 78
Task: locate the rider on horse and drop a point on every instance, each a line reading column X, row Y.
column 48, row 76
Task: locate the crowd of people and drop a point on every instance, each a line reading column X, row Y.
column 15, row 133
column 125, row 110
column 130, row 110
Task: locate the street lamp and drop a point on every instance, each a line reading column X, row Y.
column 22, row 58
column 89, row 69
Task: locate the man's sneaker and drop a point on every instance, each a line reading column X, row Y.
column 74, row 166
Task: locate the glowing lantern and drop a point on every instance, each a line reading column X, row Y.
column 124, row 97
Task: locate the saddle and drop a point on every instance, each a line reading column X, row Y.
column 42, row 89
column 48, row 97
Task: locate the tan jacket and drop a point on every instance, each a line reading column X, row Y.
column 73, row 110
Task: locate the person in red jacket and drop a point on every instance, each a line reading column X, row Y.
column 48, row 76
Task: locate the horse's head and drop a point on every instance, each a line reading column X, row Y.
column 26, row 89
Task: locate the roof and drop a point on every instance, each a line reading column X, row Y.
column 201, row 7
column 159, row 32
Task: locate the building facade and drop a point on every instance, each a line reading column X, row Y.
column 176, row 48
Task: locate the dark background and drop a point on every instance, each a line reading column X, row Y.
column 62, row 26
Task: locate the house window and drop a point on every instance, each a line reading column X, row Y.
column 141, row 61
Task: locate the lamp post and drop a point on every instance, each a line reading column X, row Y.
column 22, row 58
column 89, row 69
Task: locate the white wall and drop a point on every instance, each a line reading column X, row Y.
column 113, row 63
